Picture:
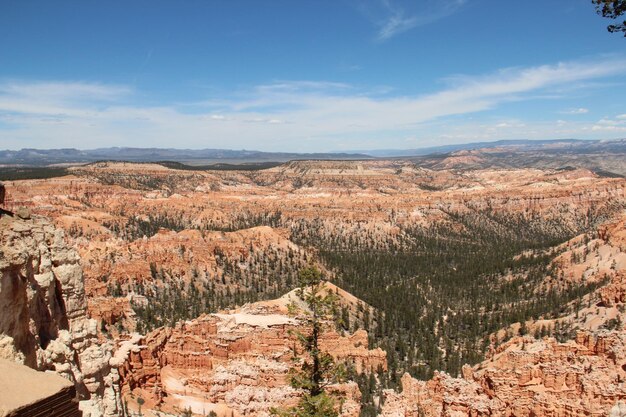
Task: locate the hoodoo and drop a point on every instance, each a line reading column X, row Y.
column 2, row 196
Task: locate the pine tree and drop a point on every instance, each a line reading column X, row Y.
column 317, row 368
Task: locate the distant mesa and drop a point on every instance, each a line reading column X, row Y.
column 223, row 158
column 45, row 157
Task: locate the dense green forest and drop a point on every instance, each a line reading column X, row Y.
column 267, row 275
column 31, row 173
column 439, row 291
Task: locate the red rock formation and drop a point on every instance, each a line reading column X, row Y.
column 365, row 199
column 529, row 377
column 238, row 360
column 242, row 365
column 526, row 377
column 109, row 310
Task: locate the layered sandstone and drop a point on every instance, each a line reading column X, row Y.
column 210, row 219
column 44, row 323
column 234, row 362
column 526, row 377
column 215, row 232
column 92, row 202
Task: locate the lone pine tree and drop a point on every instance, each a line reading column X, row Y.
column 317, row 368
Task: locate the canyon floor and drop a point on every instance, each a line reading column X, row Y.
column 463, row 289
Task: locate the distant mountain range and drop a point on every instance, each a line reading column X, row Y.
column 607, row 158
column 41, row 157
column 44, row 157
column 526, row 144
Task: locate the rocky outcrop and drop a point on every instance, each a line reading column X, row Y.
column 44, row 323
column 236, row 362
column 112, row 310
column 106, row 207
column 614, row 236
column 541, row 377
column 526, row 377
column 28, row 393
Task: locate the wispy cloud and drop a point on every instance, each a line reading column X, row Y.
column 63, row 91
column 580, row 110
column 395, row 19
column 302, row 86
column 67, row 99
column 396, row 24
column 285, row 115
column 617, row 124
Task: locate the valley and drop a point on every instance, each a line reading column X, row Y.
column 381, row 208
column 444, row 270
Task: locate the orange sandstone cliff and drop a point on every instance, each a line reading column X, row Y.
column 235, row 362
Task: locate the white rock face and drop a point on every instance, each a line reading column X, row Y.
column 44, row 321
column 619, row 410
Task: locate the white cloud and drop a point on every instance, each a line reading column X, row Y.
column 392, row 20
column 473, row 131
column 57, row 98
column 301, row 115
column 264, row 120
column 611, row 125
column 64, row 90
column 609, row 128
column 580, row 110
column 396, row 24
column 279, row 87
column 509, row 124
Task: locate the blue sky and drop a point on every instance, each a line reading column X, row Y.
column 306, row 75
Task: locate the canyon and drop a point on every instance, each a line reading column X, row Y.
column 483, row 291
column 531, row 376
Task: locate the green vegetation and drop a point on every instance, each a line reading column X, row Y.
column 612, row 9
column 258, row 275
column 31, row 173
column 607, row 174
column 136, row 227
column 440, row 291
column 317, row 368
column 371, row 386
